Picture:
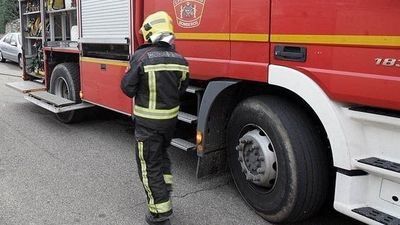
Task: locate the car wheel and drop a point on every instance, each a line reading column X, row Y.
column 276, row 159
column 20, row 61
column 65, row 83
column 1, row 57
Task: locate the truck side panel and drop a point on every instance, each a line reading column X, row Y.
column 101, row 83
column 353, row 47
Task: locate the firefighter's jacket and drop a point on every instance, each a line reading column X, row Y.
column 157, row 76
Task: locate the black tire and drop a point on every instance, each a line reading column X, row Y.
column 65, row 82
column 301, row 182
column 20, row 62
column 2, row 59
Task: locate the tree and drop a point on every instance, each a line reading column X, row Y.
column 8, row 12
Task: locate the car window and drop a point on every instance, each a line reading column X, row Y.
column 7, row 39
column 4, row 38
column 13, row 39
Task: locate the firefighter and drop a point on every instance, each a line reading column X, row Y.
column 157, row 76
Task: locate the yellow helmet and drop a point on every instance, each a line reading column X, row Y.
column 157, row 24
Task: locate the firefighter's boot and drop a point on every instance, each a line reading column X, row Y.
column 156, row 220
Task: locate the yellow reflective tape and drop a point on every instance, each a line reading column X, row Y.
column 184, row 74
column 105, row 61
column 224, row 37
column 157, row 114
column 366, row 40
column 183, row 77
column 168, row 178
column 165, row 67
column 338, row 39
column 161, row 207
column 152, row 90
column 250, row 37
column 144, row 174
column 203, row 36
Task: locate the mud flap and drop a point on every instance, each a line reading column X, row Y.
column 211, row 163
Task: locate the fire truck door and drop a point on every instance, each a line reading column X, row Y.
column 352, row 47
column 250, row 23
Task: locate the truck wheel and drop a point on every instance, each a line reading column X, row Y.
column 65, row 82
column 2, row 59
column 277, row 160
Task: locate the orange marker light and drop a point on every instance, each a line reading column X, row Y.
column 199, row 137
column 199, row 140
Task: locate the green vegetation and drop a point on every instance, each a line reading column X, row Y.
column 8, row 12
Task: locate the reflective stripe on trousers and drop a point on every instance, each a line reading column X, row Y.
column 154, row 170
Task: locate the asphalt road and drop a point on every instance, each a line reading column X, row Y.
column 52, row 173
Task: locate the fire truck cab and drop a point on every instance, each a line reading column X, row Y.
column 300, row 99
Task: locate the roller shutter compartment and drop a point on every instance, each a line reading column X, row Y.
column 105, row 21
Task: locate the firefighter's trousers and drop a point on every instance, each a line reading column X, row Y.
column 154, row 167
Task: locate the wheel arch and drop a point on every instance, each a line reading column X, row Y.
column 322, row 106
column 221, row 97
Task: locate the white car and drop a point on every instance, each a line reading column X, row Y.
column 11, row 48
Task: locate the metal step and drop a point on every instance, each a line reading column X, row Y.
column 194, row 89
column 51, row 99
column 383, row 164
column 26, row 86
column 187, row 118
column 54, row 103
column 183, row 144
column 377, row 215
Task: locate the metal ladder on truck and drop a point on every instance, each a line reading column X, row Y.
column 187, row 117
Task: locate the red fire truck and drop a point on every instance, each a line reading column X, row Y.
column 297, row 97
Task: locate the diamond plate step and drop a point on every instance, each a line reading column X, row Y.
column 377, row 215
column 54, row 103
column 51, row 99
column 381, row 163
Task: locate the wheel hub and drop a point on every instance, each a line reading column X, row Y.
column 61, row 88
column 257, row 158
